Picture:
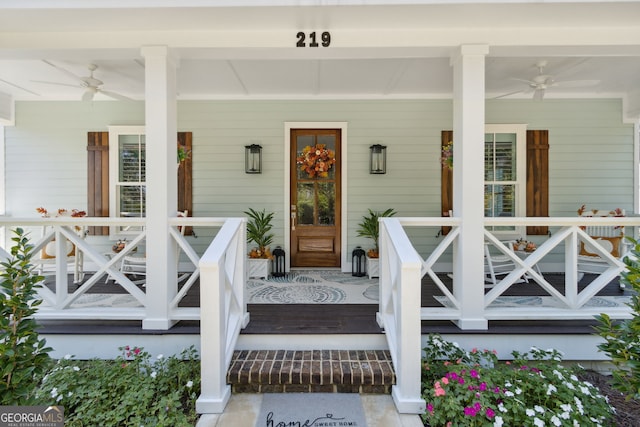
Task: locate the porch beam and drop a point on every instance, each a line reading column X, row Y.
column 468, row 64
column 162, row 183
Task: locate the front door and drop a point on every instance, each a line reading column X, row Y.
column 315, row 197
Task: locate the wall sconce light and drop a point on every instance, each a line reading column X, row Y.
column 253, row 158
column 378, row 159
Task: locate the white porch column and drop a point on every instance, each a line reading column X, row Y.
column 162, row 183
column 468, row 182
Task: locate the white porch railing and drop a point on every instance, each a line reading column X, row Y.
column 100, row 262
column 222, row 287
column 402, row 269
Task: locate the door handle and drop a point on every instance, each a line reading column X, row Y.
column 293, row 221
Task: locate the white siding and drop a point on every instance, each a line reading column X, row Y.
column 590, row 157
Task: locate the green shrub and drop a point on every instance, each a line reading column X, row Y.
column 475, row 389
column 621, row 338
column 23, row 355
column 132, row 390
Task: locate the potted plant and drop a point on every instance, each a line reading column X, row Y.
column 258, row 231
column 369, row 227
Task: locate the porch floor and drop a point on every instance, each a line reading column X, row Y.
column 325, row 319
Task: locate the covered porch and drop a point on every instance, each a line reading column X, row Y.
column 409, row 285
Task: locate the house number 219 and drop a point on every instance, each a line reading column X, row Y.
column 325, row 38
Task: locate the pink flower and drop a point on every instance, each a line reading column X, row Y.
column 430, row 408
column 490, row 413
column 136, row 351
column 445, row 380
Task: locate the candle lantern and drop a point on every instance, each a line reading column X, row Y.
column 253, row 158
column 358, row 259
column 278, row 262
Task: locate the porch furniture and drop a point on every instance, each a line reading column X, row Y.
column 497, row 265
column 136, row 265
column 45, row 261
column 607, row 238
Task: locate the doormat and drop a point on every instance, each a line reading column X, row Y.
column 311, row 410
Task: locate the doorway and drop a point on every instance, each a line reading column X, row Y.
column 315, row 197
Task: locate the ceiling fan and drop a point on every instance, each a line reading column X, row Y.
column 89, row 83
column 539, row 83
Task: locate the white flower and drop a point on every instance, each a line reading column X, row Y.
column 497, row 422
column 518, row 391
column 189, row 384
column 59, row 398
column 54, row 392
column 539, row 408
column 67, row 356
column 530, row 412
column 556, row 421
column 154, row 374
column 551, row 389
column 585, row 390
column 509, row 393
column 75, row 368
column 571, row 386
column 160, row 356
column 70, row 394
column 501, row 407
column 574, row 378
column 538, row 422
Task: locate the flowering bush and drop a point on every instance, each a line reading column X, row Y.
column 446, row 158
column 316, row 160
column 475, row 389
column 75, row 213
column 134, row 389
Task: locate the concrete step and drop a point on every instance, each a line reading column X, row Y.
column 309, row 371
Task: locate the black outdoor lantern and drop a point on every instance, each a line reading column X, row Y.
column 278, row 262
column 253, row 158
column 378, row 159
column 358, row 260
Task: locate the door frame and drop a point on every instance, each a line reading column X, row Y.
column 344, row 266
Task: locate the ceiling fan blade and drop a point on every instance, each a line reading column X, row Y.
column 88, row 95
column 19, row 87
column 54, row 83
column 67, row 72
column 576, row 83
column 529, row 82
column 538, row 94
column 115, row 95
column 509, row 94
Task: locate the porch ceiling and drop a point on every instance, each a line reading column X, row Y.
column 377, row 50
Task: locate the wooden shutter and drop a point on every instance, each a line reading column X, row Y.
column 446, row 182
column 185, row 191
column 538, row 178
column 98, row 179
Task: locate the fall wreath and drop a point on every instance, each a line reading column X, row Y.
column 316, row 160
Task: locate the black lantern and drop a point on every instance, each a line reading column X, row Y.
column 378, row 159
column 278, row 262
column 253, row 158
column 358, row 260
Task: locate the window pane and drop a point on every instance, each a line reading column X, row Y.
column 306, row 204
column 131, row 200
column 500, row 157
column 499, row 200
column 132, row 159
column 326, row 203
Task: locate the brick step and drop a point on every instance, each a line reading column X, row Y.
column 313, row 371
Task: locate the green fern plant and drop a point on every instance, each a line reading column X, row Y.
column 369, row 227
column 258, row 231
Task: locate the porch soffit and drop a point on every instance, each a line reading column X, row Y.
column 376, row 51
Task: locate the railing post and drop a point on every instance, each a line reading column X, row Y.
column 215, row 392
column 62, row 281
column 400, row 300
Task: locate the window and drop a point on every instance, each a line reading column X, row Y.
column 505, row 172
column 127, row 171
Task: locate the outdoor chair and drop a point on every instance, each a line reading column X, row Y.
column 45, row 261
column 608, row 238
column 497, row 264
column 136, row 266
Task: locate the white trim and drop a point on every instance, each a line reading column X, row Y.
column 114, row 157
column 520, row 129
column 636, row 168
column 343, row 185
